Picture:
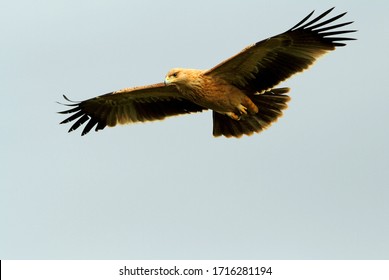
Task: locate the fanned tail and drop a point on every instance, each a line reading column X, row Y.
column 270, row 105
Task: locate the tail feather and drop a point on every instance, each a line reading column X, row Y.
column 270, row 105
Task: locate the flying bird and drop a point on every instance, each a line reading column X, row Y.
column 240, row 91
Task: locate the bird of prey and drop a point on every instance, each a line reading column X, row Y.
column 240, row 91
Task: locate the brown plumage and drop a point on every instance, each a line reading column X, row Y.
column 240, row 90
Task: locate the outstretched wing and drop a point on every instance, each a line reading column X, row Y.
column 265, row 64
column 139, row 104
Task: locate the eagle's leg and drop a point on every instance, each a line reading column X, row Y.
column 242, row 108
column 233, row 116
column 248, row 105
column 240, row 112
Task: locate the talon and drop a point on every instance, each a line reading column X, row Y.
column 242, row 109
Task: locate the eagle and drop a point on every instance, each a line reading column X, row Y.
column 241, row 91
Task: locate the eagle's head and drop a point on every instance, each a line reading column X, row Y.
column 182, row 77
column 175, row 76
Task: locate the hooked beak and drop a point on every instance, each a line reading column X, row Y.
column 166, row 81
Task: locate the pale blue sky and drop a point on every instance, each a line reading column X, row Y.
column 313, row 186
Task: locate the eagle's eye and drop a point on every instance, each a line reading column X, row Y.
column 175, row 74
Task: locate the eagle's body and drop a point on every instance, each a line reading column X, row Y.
column 210, row 92
column 240, row 90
